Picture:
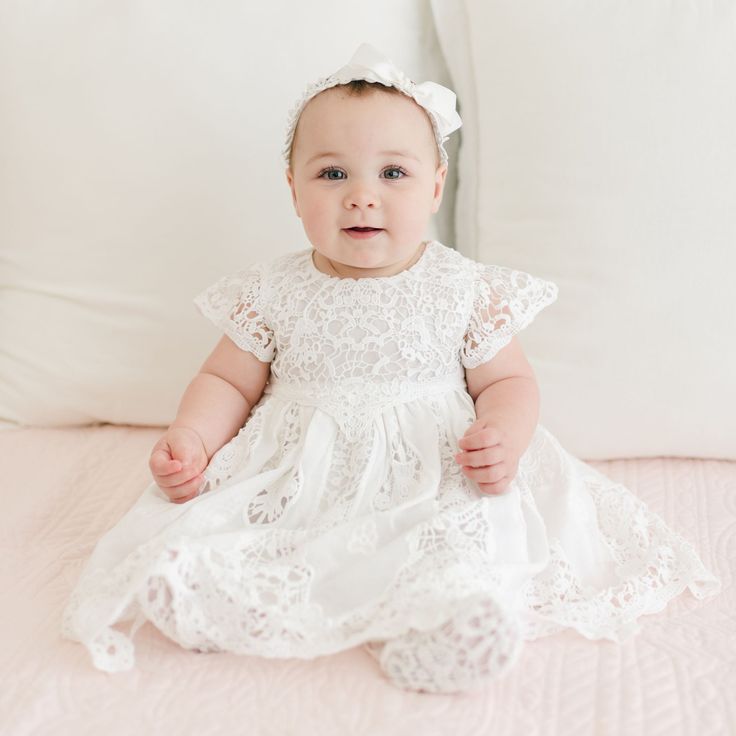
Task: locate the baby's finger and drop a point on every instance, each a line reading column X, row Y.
column 184, row 492
column 497, row 488
column 185, row 453
column 477, row 425
column 162, row 464
column 480, row 458
column 487, row 437
column 172, row 480
column 490, row 474
column 177, row 453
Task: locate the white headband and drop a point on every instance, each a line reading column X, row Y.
column 370, row 64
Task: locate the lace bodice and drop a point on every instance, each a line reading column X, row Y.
column 353, row 345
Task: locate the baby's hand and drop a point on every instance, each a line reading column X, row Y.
column 177, row 462
column 486, row 458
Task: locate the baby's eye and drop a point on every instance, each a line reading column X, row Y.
column 394, row 172
column 329, row 172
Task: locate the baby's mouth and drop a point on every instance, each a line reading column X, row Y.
column 362, row 233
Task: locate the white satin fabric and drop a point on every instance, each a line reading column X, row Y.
column 370, row 64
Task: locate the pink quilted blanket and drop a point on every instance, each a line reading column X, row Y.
column 62, row 488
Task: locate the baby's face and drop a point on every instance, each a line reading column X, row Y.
column 365, row 161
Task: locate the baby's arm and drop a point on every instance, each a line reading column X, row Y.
column 212, row 410
column 506, row 399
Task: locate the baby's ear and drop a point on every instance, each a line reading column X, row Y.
column 290, row 182
column 439, row 186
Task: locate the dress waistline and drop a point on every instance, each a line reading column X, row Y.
column 358, row 395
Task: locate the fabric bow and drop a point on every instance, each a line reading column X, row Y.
column 370, row 64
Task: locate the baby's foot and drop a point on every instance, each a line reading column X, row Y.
column 477, row 645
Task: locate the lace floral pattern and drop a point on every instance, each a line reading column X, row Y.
column 328, row 332
column 338, row 516
column 481, row 642
column 352, row 346
column 233, row 304
column 258, row 593
column 504, row 302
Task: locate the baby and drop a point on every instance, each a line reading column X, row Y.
column 359, row 460
column 366, row 174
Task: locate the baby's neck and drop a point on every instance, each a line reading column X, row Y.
column 341, row 270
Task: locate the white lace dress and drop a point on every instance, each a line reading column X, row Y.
column 338, row 517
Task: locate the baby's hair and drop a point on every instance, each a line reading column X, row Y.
column 358, row 88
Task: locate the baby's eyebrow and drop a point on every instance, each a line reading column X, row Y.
column 405, row 154
column 328, row 154
column 331, row 154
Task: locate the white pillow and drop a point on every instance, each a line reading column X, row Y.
column 599, row 151
column 141, row 160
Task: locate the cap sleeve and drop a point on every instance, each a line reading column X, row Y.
column 235, row 305
column 505, row 301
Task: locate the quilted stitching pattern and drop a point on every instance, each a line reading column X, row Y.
column 66, row 487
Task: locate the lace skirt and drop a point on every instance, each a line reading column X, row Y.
column 307, row 541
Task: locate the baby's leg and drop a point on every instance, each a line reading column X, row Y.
column 477, row 645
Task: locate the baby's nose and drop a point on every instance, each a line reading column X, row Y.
column 361, row 196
